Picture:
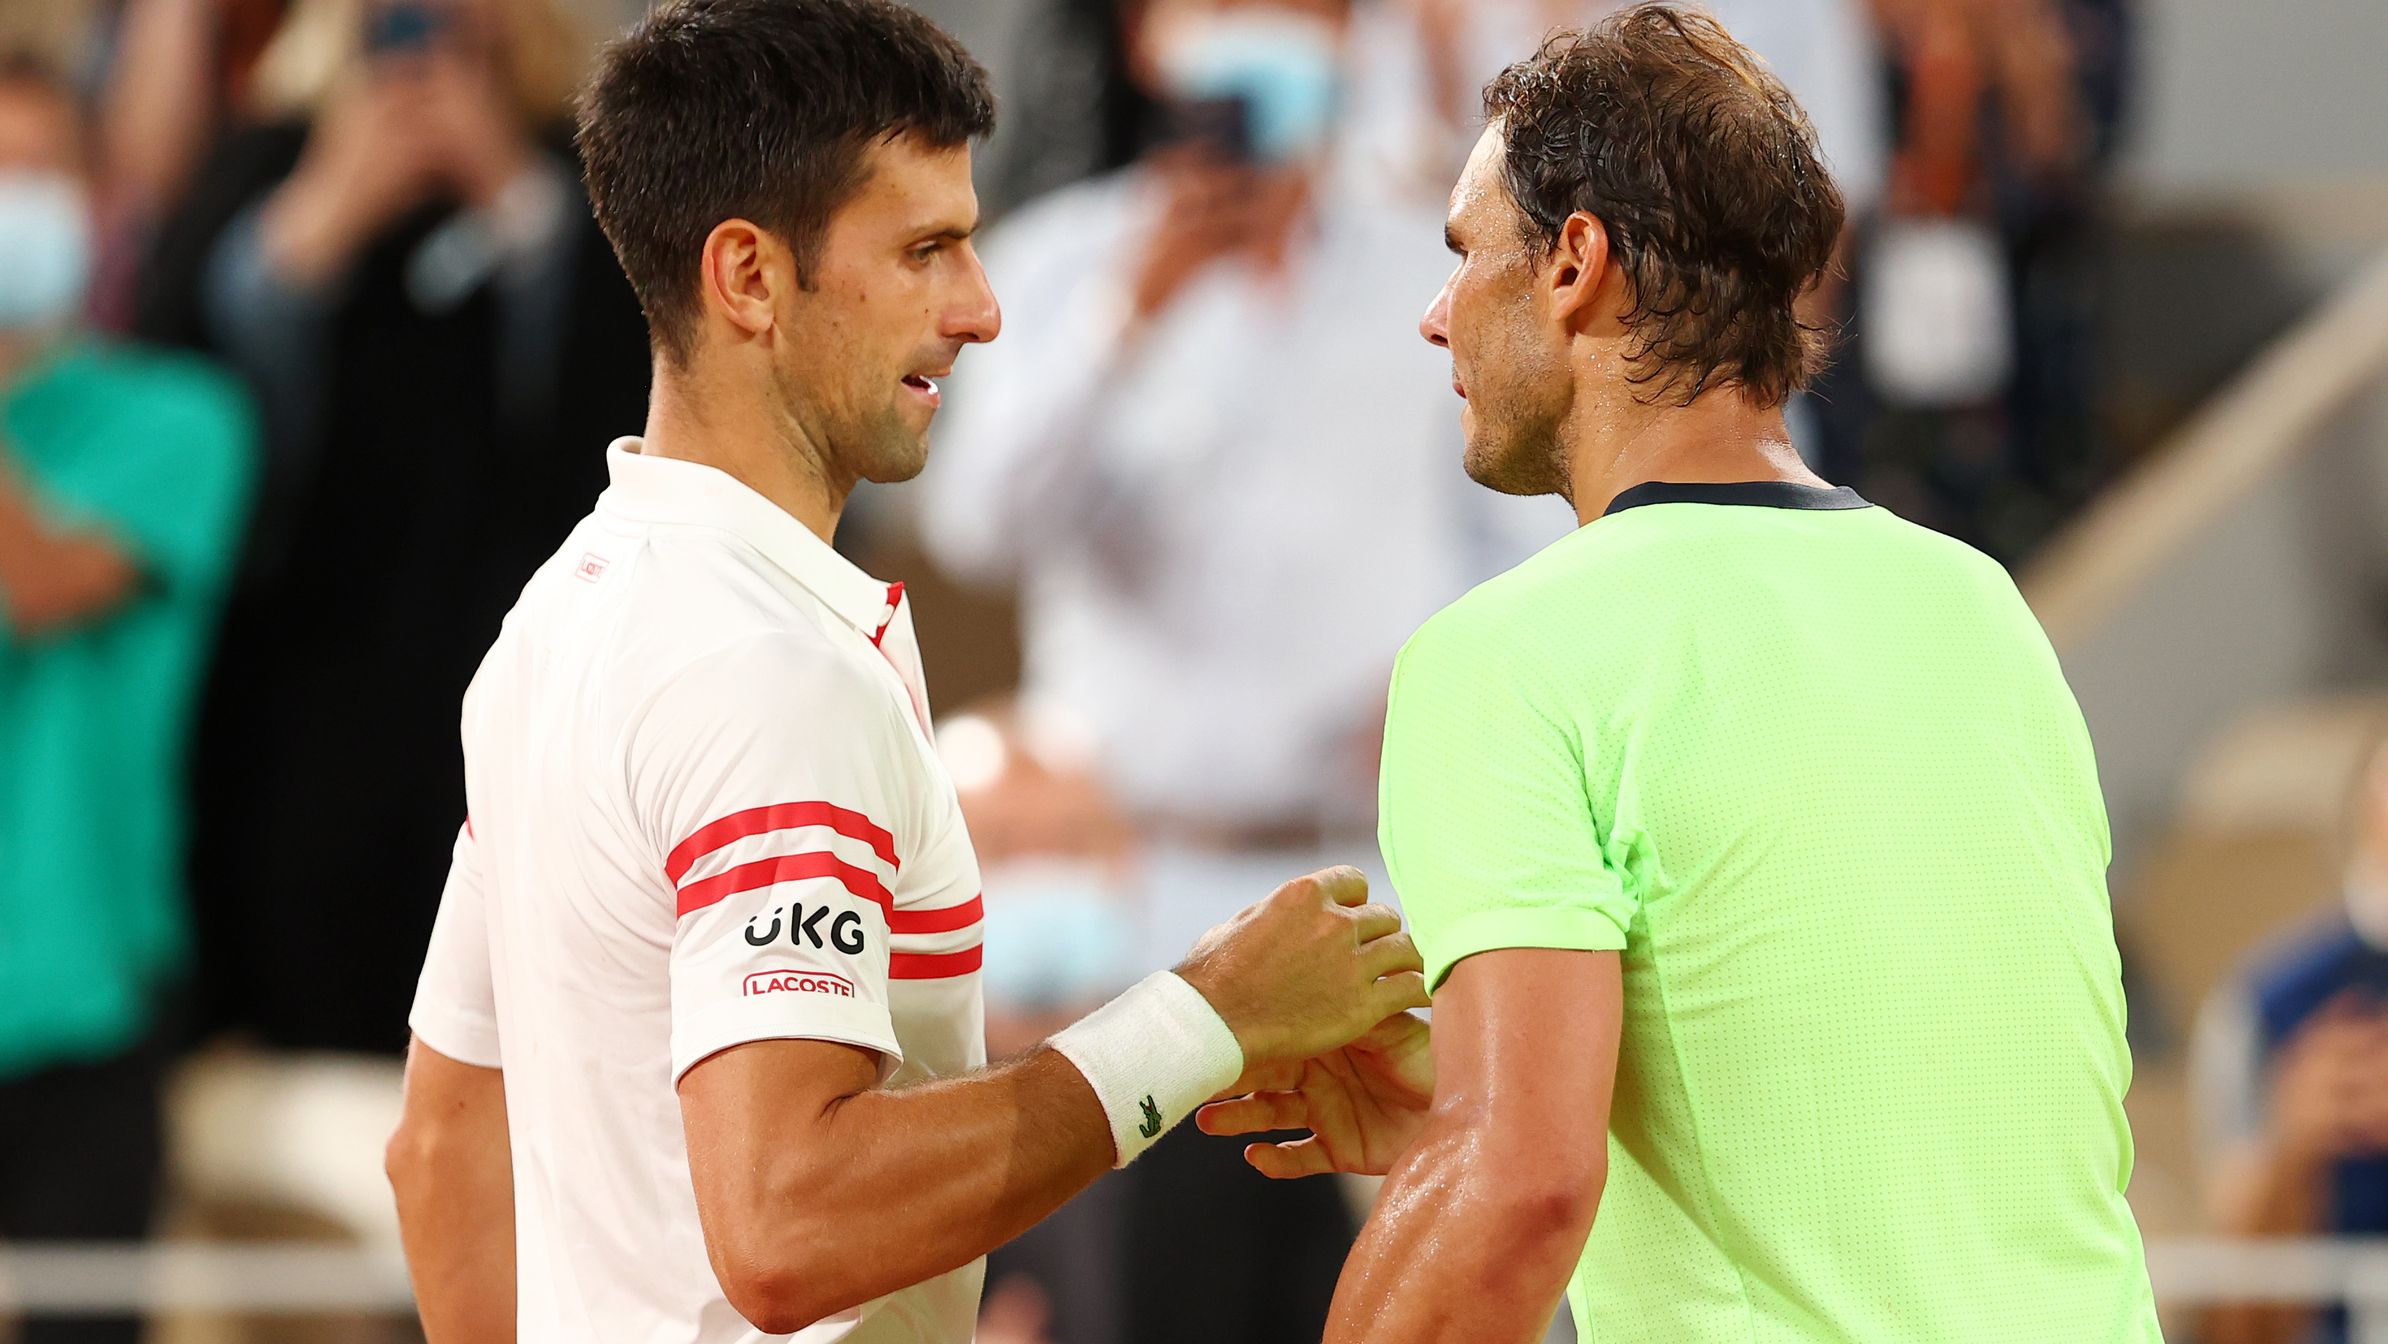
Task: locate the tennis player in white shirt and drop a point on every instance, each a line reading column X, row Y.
column 697, row 1051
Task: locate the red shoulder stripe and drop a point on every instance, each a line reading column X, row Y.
column 778, row 817
column 786, row 868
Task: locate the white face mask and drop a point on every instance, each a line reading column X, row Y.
column 45, row 236
column 1286, row 68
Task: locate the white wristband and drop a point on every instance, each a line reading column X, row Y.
column 1153, row 1054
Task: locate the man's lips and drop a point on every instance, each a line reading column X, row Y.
column 924, row 386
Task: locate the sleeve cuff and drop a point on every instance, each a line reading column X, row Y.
column 785, row 1017
column 467, row 1038
column 1572, row 930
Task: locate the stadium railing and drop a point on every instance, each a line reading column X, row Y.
column 287, row 1279
column 2275, row 408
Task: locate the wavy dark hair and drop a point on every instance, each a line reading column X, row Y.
column 760, row 110
column 1706, row 175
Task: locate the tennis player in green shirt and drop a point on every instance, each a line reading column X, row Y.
column 1750, row 834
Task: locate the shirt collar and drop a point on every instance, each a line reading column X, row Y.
column 669, row 490
column 1760, row 494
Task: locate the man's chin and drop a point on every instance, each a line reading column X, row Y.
column 903, row 454
column 1507, row 470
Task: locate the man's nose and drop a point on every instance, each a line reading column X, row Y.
column 1436, row 325
column 981, row 318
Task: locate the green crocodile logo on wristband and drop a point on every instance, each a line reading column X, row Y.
column 1152, row 1119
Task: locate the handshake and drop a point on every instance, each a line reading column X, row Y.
column 1315, row 982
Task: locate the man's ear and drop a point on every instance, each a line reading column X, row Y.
column 744, row 270
column 1576, row 269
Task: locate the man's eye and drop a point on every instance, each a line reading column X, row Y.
column 923, row 253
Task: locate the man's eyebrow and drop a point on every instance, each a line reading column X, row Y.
column 951, row 233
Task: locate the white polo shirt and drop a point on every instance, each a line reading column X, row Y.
column 705, row 810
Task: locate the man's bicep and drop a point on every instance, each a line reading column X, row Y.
column 1486, row 823
column 730, row 1094
column 750, row 1108
column 1525, row 1046
column 438, row 1082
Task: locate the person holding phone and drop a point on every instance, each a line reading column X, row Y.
column 396, row 253
column 1221, row 312
column 2290, row 1074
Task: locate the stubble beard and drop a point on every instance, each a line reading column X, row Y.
column 1522, row 451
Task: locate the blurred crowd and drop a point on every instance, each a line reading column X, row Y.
column 309, row 347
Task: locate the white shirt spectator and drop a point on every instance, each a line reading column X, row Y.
column 1223, row 535
column 705, row 811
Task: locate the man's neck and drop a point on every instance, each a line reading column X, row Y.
column 1615, row 442
column 693, row 418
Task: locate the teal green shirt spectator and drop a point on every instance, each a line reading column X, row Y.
column 156, row 452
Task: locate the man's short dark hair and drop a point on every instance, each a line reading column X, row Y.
column 1706, row 175
column 760, row 110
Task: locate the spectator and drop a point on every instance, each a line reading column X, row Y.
column 400, row 261
column 1214, row 455
column 122, row 478
column 1967, row 398
column 178, row 69
column 2291, row 1072
column 1824, row 51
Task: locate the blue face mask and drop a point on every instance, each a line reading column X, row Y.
column 45, row 234
column 1059, row 932
column 1285, row 68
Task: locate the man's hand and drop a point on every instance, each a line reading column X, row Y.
column 2330, row 1099
column 1208, row 215
column 1362, row 1104
column 475, row 140
column 1308, row 968
column 368, row 160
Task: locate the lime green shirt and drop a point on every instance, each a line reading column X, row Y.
column 1814, row 772
column 156, row 452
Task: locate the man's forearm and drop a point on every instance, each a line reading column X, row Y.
column 820, row 1191
column 1457, row 1251
column 927, row 1179
column 50, row 579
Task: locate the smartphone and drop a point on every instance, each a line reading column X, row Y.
column 406, row 28
column 1221, row 125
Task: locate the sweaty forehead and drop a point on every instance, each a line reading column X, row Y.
column 1479, row 197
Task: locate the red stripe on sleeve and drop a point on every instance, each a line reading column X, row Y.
column 786, row 868
column 778, row 817
column 934, row 965
column 938, row 921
